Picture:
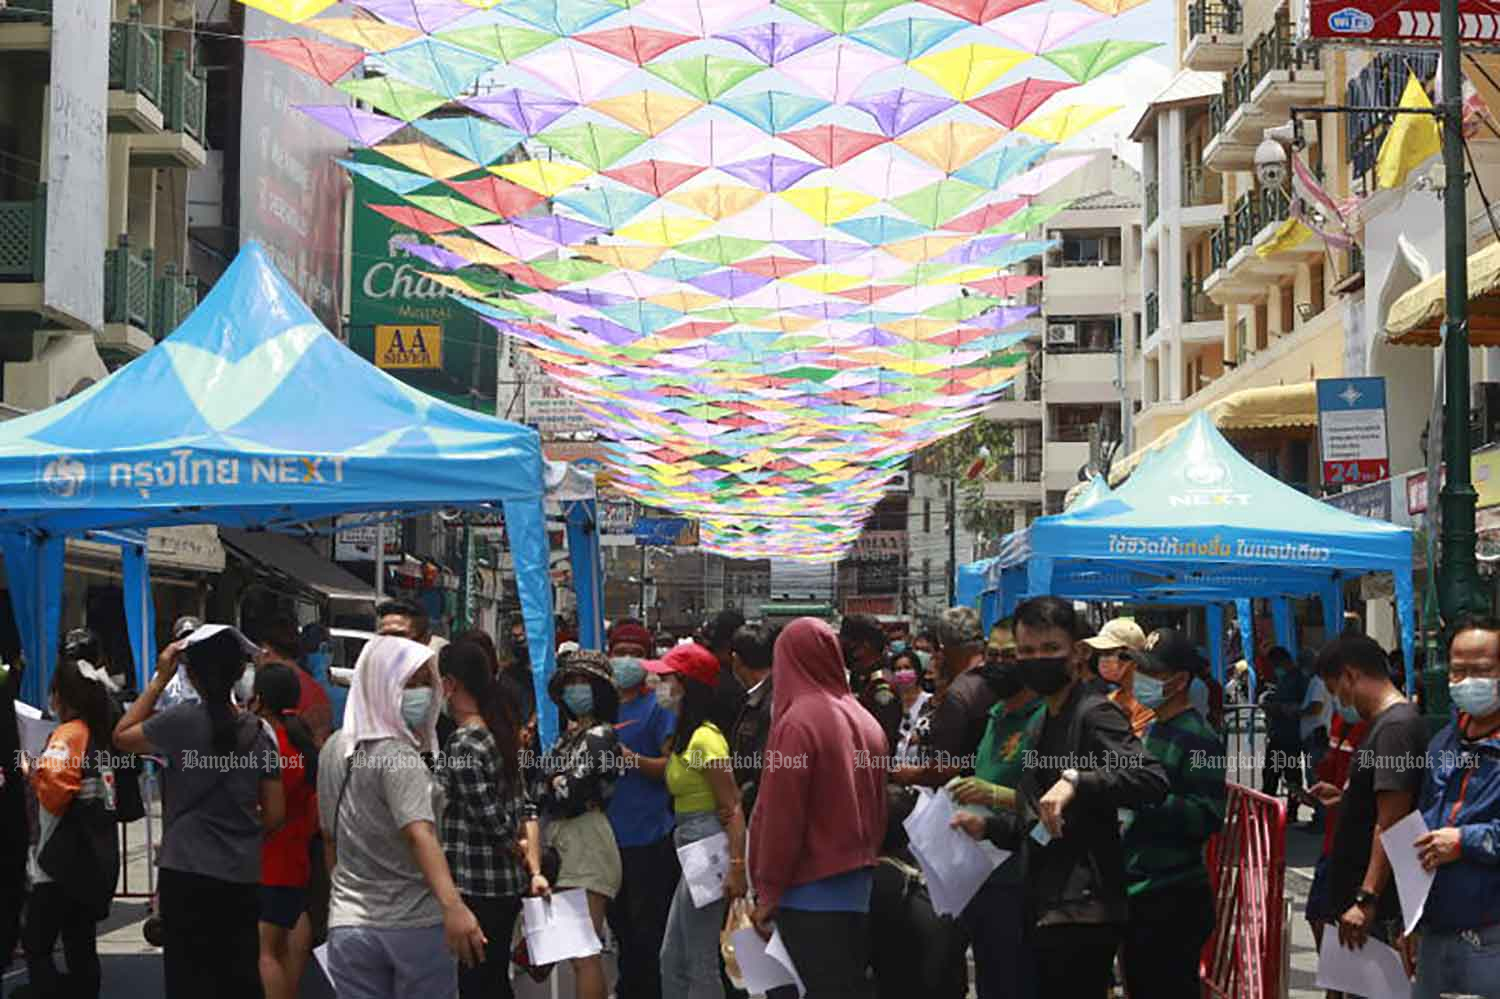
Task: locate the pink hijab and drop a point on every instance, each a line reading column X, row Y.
column 385, row 665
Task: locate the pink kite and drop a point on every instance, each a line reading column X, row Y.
column 833, row 145
column 1014, row 104
column 322, row 60
column 639, row 45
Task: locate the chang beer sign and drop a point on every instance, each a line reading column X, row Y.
column 443, row 349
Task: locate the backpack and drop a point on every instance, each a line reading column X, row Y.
column 82, row 856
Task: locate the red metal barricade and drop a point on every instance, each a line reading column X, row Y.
column 1247, row 870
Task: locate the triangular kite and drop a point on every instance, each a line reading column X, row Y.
column 833, row 145
column 1092, row 59
column 366, row 32
column 657, row 177
column 292, row 11
column 706, row 77
column 634, row 43
column 773, row 111
column 966, row 71
column 839, row 16
column 393, row 96
column 319, row 60
column 499, row 41
column 648, row 111
column 1014, row 104
column 979, row 11
column 594, row 145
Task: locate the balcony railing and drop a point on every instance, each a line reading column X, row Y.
column 1200, row 186
column 135, row 58
column 1197, row 307
column 1273, row 50
column 1153, row 313
column 1153, row 201
column 26, row 10
column 185, row 103
column 128, row 290
column 1214, row 17
column 176, row 298
column 23, row 238
column 1251, row 213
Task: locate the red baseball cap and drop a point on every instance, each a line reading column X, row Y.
column 689, row 659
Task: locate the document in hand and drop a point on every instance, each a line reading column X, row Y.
column 559, row 927
column 1412, row 882
column 762, row 970
column 954, row 865
column 34, row 729
column 705, row 863
column 1374, row 971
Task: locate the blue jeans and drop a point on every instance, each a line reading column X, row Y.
column 690, row 948
column 1467, row 962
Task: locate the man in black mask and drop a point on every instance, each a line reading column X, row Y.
column 965, row 697
column 863, row 641
column 1082, row 767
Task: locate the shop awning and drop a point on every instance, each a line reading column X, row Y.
column 1416, row 318
column 1265, row 408
column 303, row 567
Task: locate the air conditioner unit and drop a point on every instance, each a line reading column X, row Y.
column 1062, row 334
column 900, row 483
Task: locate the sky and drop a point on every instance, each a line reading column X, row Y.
column 1134, row 84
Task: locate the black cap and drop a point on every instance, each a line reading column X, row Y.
column 1167, row 651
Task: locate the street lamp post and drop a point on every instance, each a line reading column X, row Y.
column 1458, row 573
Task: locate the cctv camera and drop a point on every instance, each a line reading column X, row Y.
column 1270, row 163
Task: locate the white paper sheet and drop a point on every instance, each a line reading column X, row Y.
column 1374, row 971
column 776, row 948
column 1412, row 882
column 954, row 865
column 34, row 730
column 559, row 928
column 320, row 952
column 705, row 864
column 1040, row 834
column 761, row 972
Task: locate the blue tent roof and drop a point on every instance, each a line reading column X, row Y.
column 252, row 414
column 1202, row 508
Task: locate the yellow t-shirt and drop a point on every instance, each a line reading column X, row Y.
column 687, row 776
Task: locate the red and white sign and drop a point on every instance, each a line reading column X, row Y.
column 1352, row 431
column 1411, row 21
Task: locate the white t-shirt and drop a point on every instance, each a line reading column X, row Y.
column 1317, row 693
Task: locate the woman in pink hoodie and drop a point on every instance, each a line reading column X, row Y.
column 820, row 815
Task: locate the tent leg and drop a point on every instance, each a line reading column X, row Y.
column 525, row 522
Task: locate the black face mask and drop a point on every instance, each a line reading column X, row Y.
column 1004, row 679
column 1046, row 676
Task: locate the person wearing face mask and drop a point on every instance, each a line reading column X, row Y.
column 963, row 700
column 1117, row 670
column 1082, row 766
column 1004, row 967
column 280, row 642
column 486, row 812
column 641, row 815
column 221, row 793
column 1171, row 904
column 577, row 782
column 706, row 801
column 1384, row 780
column 396, row 919
column 1459, row 948
column 906, row 678
column 863, row 642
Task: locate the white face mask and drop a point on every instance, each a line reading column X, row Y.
column 244, row 687
column 667, row 696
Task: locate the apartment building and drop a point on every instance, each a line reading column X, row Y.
column 1083, row 378
column 101, row 123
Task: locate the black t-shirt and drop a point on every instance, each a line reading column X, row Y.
column 959, row 721
column 1390, row 759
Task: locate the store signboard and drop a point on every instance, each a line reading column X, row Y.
column 408, row 347
column 356, row 539
column 1352, row 431
column 1484, row 472
column 1372, row 501
column 1416, row 22
column 879, row 545
column 671, row 532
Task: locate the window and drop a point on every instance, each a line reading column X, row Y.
column 1262, row 326
column 1087, row 249
column 1288, row 294
column 927, row 577
column 1072, row 423
column 926, row 516
column 1081, row 335
column 1316, row 278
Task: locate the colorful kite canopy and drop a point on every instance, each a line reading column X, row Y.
column 769, row 250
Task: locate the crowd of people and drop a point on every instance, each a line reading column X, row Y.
column 404, row 822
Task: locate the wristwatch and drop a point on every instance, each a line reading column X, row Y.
column 1364, row 898
column 1070, row 775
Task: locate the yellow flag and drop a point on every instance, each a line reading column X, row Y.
column 1288, row 235
column 1413, row 138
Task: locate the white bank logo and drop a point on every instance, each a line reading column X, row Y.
column 66, row 480
column 1208, row 485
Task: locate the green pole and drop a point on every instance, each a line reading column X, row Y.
column 1458, row 575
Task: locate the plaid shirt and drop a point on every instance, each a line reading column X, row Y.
column 482, row 818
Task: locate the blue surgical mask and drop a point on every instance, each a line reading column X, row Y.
column 629, row 672
column 579, row 699
column 1149, row 691
column 1348, row 712
column 415, row 703
column 1478, row 696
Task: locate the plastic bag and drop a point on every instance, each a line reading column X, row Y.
column 737, row 918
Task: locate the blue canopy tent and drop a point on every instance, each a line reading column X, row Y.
column 1200, row 524
column 252, row 416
